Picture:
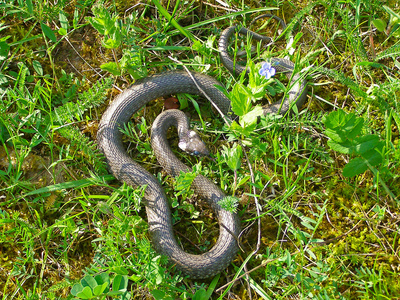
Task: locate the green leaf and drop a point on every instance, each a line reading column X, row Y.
column 29, row 5
column 62, row 31
column 86, row 293
column 38, row 67
column 160, row 295
column 89, row 281
column 111, row 43
column 71, row 184
column 76, row 18
column 353, row 126
column 344, row 147
column 63, row 20
column 101, row 278
column 233, row 156
column 170, row 19
column 355, row 167
column 201, row 294
column 212, row 286
column 241, row 130
column 103, row 283
column 48, row 32
column 250, row 118
column 120, row 270
column 120, row 283
column 77, row 288
column 374, row 157
column 101, row 289
column 4, row 49
column 240, row 100
column 229, row 203
column 341, row 126
column 243, row 180
column 111, row 67
column 380, row 24
column 184, row 182
column 366, row 143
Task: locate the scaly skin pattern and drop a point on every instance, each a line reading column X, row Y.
column 125, row 169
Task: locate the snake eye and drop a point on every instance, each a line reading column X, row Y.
column 196, row 152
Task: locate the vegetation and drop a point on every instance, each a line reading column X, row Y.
column 318, row 189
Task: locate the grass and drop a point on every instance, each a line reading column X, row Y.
column 318, row 191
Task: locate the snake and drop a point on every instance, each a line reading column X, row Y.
column 125, row 169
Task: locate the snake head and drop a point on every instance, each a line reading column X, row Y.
column 191, row 143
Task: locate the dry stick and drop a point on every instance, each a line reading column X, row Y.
column 245, row 153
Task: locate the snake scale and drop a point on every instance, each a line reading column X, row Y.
column 125, row 169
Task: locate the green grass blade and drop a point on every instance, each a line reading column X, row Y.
column 170, row 19
column 71, row 184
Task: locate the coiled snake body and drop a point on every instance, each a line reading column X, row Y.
column 125, row 169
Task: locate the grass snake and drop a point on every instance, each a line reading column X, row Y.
column 125, row 169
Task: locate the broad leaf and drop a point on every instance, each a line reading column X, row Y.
column 345, row 147
column 355, row 167
column 89, row 281
column 48, row 32
column 86, row 293
column 380, row 24
column 249, row 120
column 366, row 143
column 240, row 100
column 111, row 67
column 120, row 283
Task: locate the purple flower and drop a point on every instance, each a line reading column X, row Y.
column 267, row 70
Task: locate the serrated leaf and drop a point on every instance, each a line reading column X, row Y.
column 250, row 118
column 240, row 100
column 354, row 127
column 345, row 147
column 366, row 143
column 111, row 43
column 232, row 156
column 334, row 119
column 355, row 167
column 111, row 67
column 240, row 130
column 373, row 157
